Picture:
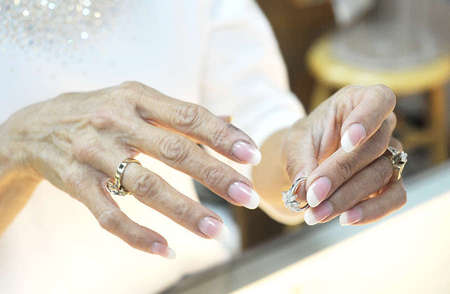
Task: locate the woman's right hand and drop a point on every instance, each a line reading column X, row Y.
column 76, row 141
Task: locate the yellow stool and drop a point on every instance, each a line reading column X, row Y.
column 331, row 74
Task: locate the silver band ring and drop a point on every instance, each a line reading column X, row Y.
column 398, row 159
column 290, row 197
column 114, row 186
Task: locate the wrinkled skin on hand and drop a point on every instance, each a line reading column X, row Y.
column 76, row 141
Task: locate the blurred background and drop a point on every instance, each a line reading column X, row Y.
column 326, row 45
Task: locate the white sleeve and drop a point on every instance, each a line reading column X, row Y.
column 244, row 74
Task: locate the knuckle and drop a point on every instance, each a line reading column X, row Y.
column 291, row 167
column 344, row 168
column 108, row 220
column 392, row 119
column 213, row 176
column 386, row 94
column 135, row 238
column 147, row 185
column 174, row 149
column 350, row 88
column 72, row 179
column 132, row 85
column 87, row 151
column 348, row 91
column 132, row 90
column 337, row 206
column 184, row 210
column 187, row 115
column 102, row 118
column 220, row 134
column 382, row 172
column 381, row 143
column 344, row 199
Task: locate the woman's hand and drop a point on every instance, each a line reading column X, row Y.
column 339, row 147
column 77, row 140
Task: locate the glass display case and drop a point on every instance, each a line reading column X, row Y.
column 408, row 252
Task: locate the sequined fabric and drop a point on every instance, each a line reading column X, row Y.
column 55, row 26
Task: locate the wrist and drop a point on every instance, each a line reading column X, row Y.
column 11, row 155
column 6, row 164
column 16, row 183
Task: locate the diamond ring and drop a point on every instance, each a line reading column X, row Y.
column 290, row 197
column 398, row 159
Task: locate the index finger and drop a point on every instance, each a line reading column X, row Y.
column 195, row 122
column 373, row 105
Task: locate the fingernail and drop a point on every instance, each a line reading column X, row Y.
column 163, row 250
column 171, row 253
column 318, row 191
column 352, row 137
column 351, row 216
column 213, row 228
column 246, row 152
column 243, row 194
column 313, row 216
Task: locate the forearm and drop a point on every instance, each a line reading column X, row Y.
column 16, row 184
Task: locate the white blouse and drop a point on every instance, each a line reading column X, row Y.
column 218, row 53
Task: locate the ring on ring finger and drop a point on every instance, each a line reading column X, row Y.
column 114, row 186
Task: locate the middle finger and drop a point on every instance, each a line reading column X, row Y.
column 185, row 156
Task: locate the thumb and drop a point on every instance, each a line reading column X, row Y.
column 301, row 158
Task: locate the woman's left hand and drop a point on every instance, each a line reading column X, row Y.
column 340, row 147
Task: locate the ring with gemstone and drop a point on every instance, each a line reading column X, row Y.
column 398, row 159
column 290, row 197
column 114, row 186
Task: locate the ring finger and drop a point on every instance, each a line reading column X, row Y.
column 155, row 192
column 90, row 192
column 370, row 210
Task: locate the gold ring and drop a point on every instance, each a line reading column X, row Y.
column 114, row 187
column 398, row 159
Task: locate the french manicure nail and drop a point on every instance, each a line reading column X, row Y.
column 319, row 213
column 163, row 250
column 318, row 191
column 352, row 137
column 243, row 194
column 351, row 216
column 170, row 253
column 246, row 152
column 213, row 228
